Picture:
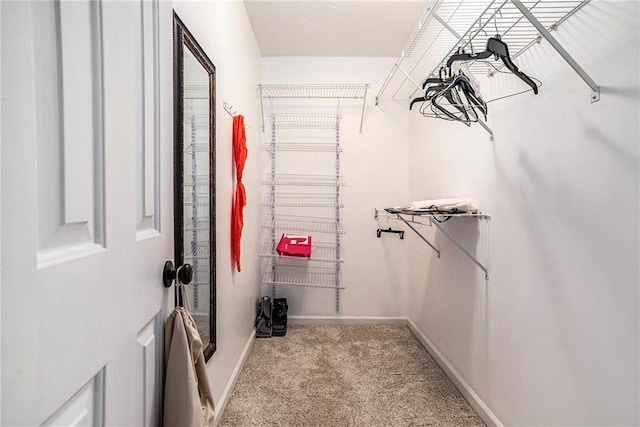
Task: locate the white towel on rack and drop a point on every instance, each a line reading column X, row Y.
column 443, row 205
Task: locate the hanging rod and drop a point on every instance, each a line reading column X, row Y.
column 433, row 220
column 521, row 23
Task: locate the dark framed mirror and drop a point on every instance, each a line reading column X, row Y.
column 194, row 179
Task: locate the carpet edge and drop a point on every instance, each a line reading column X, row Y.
column 465, row 389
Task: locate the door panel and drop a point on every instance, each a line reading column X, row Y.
column 68, row 88
column 149, row 147
column 85, row 408
column 86, row 160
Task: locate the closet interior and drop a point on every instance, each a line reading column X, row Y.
column 422, row 184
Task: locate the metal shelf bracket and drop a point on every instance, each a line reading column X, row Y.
column 448, row 236
column 595, row 89
column 464, row 251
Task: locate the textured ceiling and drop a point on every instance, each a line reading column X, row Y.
column 333, row 28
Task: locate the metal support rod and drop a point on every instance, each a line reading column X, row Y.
column 338, row 247
column 388, row 79
column 595, row 96
column 261, row 106
column 420, row 235
column 486, row 127
column 364, row 103
column 467, row 253
column 410, row 78
column 424, row 20
column 273, row 205
column 446, row 25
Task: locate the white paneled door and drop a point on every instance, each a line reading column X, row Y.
column 86, row 216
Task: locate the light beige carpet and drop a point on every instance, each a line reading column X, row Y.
column 345, row 376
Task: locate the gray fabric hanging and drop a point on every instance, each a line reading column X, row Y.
column 188, row 401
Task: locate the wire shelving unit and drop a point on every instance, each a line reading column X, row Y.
column 300, row 202
column 197, row 187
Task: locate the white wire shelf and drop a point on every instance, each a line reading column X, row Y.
column 320, row 252
column 197, row 181
column 432, row 214
column 288, row 223
column 196, row 92
column 201, row 200
column 197, row 148
column 304, row 180
column 448, row 25
column 202, row 251
column 304, row 121
column 302, row 200
column 302, row 147
column 201, row 223
column 354, row 91
column 326, row 91
column 303, row 277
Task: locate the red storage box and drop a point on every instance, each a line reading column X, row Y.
column 298, row 246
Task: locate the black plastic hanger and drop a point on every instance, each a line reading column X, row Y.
column 499, row 49
column 459, row 93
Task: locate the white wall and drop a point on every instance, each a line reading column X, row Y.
column 374, row 166
column 552, row 337
column 224, row 32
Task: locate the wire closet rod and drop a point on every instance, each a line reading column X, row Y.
column 521, row 23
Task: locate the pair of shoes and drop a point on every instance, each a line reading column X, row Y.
column 279, row 320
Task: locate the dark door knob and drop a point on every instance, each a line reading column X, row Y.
column 184, row 273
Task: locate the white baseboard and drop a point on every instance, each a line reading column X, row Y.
column 474, row 400
column 346, row 320
column 228, row 390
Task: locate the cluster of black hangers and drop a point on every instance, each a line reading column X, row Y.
column 455, row 95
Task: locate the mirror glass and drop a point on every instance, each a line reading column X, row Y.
column 195, row 180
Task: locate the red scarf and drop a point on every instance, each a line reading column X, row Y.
column 240, row 156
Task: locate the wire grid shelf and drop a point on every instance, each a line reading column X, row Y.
column 196, row 91
column 433, row 41
column 200, row 223
column 202, row 251
column 201, row 200
column 197, row 148
column 288, row 223
column 310, row 91
column 437, row 215
column 320, row 252
column 302, row 147
column 197, row 181
column 296, row 180
column 304, row 121
column 292, row 276
column 302, row 200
